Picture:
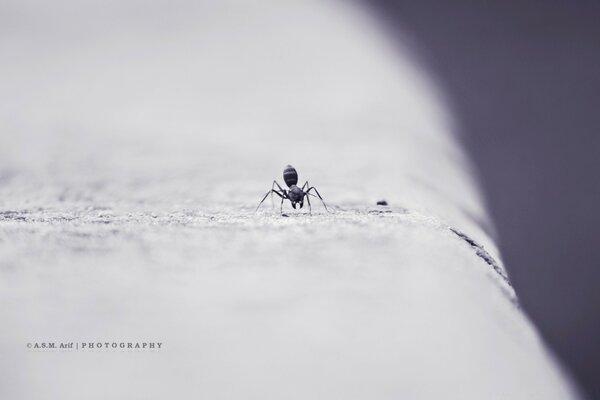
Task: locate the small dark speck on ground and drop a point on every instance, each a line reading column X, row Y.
column 382, row 203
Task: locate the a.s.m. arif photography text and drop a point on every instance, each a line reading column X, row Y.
column 95, row 345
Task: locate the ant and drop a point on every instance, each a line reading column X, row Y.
column 295, row 194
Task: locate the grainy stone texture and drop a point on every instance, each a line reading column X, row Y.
column 133, row 161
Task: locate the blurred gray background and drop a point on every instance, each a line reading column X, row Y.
column 523, row 78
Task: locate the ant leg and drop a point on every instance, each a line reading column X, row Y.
column 281, row 207
column 319, row 195
column 273, row 188
column 270, row 192
column 307, row 195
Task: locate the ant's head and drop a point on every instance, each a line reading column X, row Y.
column 290, row 176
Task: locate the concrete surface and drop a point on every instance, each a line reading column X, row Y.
column 523, row 79
column 134, row 156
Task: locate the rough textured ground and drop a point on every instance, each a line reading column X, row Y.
column 135, row 159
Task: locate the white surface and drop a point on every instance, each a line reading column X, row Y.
column 137, row 141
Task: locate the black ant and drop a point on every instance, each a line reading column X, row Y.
column 295, row 194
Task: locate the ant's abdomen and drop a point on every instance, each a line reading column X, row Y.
column 290, row 176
